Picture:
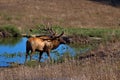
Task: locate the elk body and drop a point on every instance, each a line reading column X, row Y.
column 43, row 44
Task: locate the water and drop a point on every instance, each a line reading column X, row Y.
column 12, row 50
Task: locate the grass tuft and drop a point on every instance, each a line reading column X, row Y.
column 10, row 29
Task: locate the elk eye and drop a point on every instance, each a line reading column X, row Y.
column 58, row 39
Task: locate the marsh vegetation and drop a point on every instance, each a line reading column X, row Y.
column 91, row 68
column 93, row 60
column 91, row 28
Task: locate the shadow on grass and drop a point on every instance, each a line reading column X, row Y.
column 115, row 3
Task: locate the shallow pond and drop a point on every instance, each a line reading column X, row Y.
column 12, row 50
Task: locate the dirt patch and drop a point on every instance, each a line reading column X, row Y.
column 78, row 39
column 109, row 50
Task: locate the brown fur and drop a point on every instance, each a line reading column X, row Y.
column 42, row 44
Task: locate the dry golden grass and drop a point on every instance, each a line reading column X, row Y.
column 67, row 13
column 104, row 70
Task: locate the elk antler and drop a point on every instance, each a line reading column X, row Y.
column 50, row 30
column 59, row 35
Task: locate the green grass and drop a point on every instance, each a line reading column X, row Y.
column 11, row 55
column 93, row 32
column 11, row 29
column 11, row 41
column 105, row 33
column 32, row 63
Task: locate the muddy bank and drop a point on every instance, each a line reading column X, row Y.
column 9, row 31
column 80, row 39
column 103, row 51
column 4, row 34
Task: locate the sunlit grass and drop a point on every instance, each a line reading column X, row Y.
column 105, row 33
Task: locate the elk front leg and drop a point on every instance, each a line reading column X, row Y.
column 48, row 53
column 40, row 55
column 26, row 55
column 32, row 52
column 30, row 56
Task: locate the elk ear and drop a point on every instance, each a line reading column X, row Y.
column 58, row 39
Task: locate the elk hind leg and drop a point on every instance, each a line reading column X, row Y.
column 26, row 56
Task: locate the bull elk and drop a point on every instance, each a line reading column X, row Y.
column 43, row 44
